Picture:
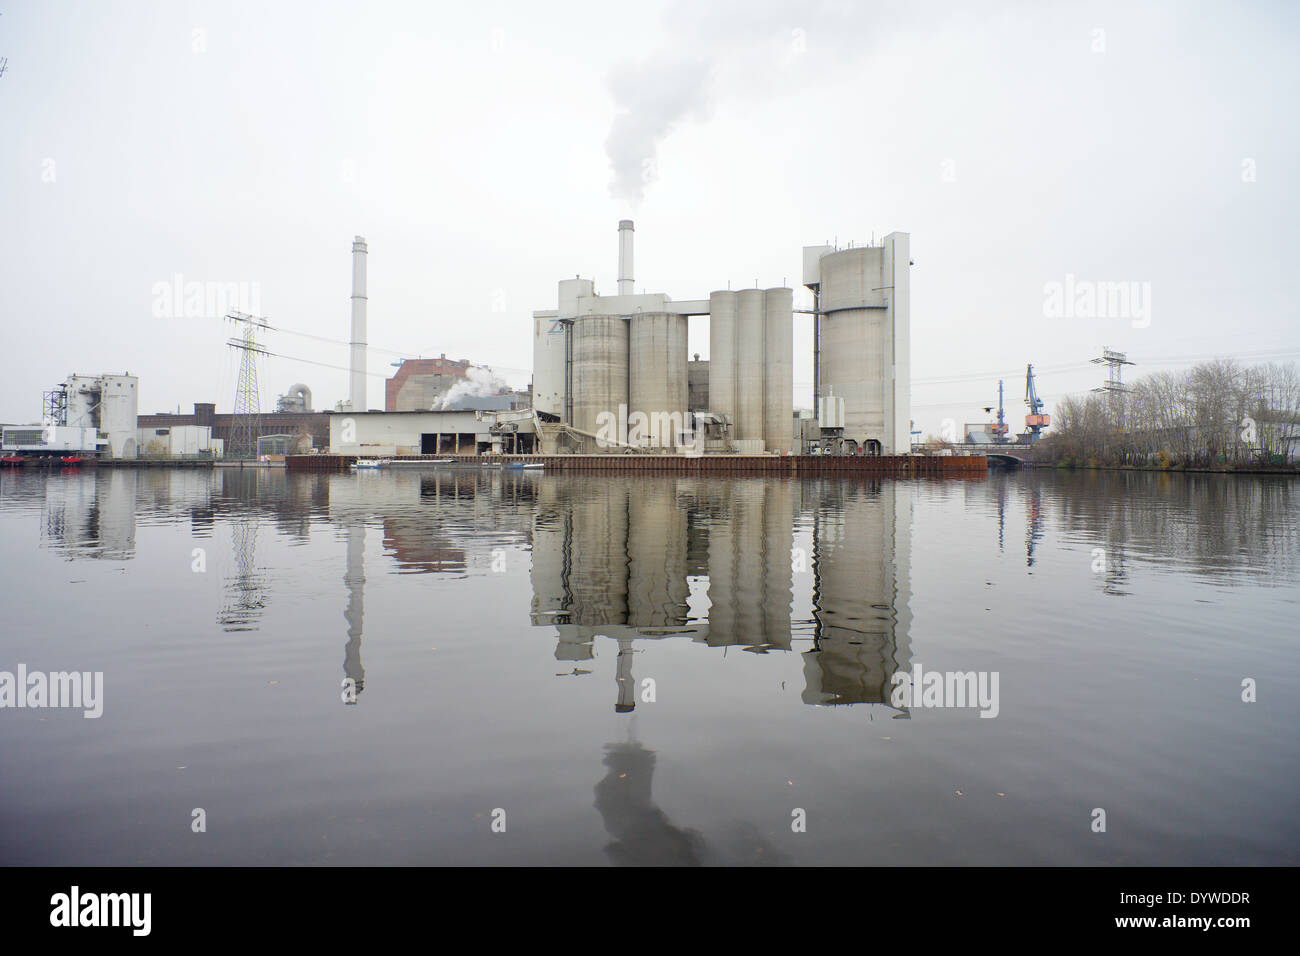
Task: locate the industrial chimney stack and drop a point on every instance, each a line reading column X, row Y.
column 625, row 231
column 357, row 374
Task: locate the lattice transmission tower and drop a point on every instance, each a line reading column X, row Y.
column 246, row 423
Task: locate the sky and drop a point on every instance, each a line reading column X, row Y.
column 487, row 150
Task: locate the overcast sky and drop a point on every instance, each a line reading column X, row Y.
column 486, row 150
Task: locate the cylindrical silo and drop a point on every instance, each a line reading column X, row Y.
column 600, row 354
column 722, row 354
column 750, row 339
column 657, row 384
column 855, row 347
column 778, row 371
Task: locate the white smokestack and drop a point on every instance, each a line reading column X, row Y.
column 625, row 231
column 357, row 374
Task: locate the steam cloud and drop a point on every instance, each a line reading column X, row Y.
column 727, row 47
column 479, row 381
column 653, row 96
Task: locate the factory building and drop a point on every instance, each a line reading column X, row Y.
column 179, row 441
column 306, row 428
column 89, row 415
column 461, row 432
column 621, row 360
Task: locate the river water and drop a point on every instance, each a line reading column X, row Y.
column 466, row 666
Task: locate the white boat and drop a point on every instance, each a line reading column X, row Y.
column 371, row 463
column 419, row 462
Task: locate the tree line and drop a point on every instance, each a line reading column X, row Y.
column 1217, row 413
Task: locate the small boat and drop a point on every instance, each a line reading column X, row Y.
column 70, row 460
column 12, row 461
column 371, row 463
column 524, row 464
column 419, row 462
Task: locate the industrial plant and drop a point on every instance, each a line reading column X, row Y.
column 611, row 373
column 611, row 376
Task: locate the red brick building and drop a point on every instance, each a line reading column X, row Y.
column 421, row 382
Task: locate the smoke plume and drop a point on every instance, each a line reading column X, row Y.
column 478, row 381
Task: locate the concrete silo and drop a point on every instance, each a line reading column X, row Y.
column 750, row 361
column 600, row 371
column 778, row 371
column 722, row 354
column 657, row 382
column 863, row 345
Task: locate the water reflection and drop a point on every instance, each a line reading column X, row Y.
column 714, row 561
column 601, row 567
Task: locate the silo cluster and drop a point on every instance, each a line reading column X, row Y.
column 751, row 366
column 612, row 371
column 631, row 366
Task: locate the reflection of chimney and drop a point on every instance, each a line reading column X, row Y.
column 357, row 375
column 354, row 579
column 626, row 683
column 625, row 231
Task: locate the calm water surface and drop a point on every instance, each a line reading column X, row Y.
column 649, row 669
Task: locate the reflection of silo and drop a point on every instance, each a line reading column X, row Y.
column 600, row 369
column 598, row 559
column 750, row 337
column 657, row 384
column 115, row 503
column 722, row 354
column 749, row 565
column 778, row 372
column 778, row 536
column 552, row 523
column 656, row 547
column 861, row 543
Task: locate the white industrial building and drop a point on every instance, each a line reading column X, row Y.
column 93, row 415
column 602, row 359
column 179, row 441
column 467, row 432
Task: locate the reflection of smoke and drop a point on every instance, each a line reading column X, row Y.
column 643, row 835
column 478, row 381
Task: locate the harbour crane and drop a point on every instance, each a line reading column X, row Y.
column 1035, row 421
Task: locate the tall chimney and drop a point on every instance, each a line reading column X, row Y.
column 625, row 231
column 357, row 374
